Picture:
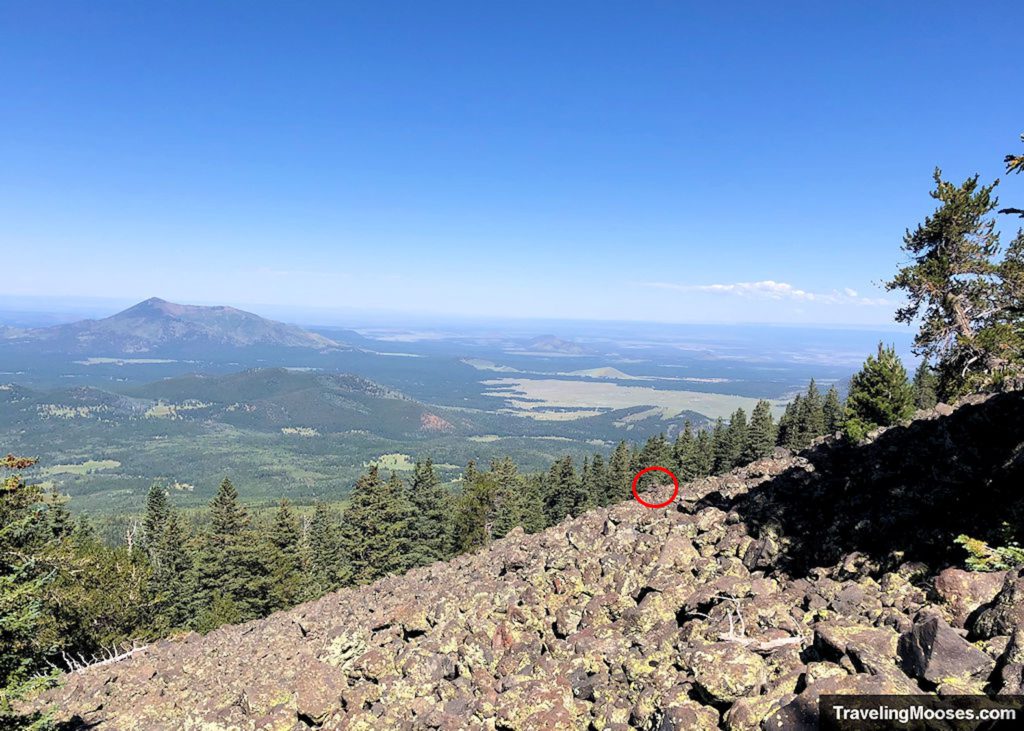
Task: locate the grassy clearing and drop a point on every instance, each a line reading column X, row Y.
column 537, row 397
column 174, row 411
column 124, row 361
column 397, row 461
column 300, row 431
column 84, row 468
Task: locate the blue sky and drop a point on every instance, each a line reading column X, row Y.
column 607, row 160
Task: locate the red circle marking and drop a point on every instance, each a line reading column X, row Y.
column 641, row 473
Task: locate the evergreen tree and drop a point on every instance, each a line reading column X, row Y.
column 736, row 439
column 761, row 434
column 811, row 416
column 470, row 473
column 233, row 564
column 532, row 517
column 964, row 297
column 564, row 492
column 475, row 513
column 84, row 528
column 789, row 434
column 620, row 475
column 429, row 521
column 683, row 457
column 23, row 532
column 99, row 595
column 220, row 610
column 720, row 448
column 880, row 394
column 396, row 486
column 61, row 523
column 287, row 583
column 656, row 452
column 374, row 529
column 509, row 497
column 925, row 384
column 832, row 411
column 158, row 510
column 227, row 516
column 704, row 454
column 325, row 566
column 596, row 488
column 635, row 460
column 172, row 581
column 586, row 478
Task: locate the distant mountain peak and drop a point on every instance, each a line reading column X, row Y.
column 555, row 345
column 157, row 324
column 159, row 305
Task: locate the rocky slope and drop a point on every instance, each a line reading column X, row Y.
column 736, row 607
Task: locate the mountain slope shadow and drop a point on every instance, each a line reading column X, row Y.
column 905, row 496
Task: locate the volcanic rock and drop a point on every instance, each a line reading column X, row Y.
column 736, row 607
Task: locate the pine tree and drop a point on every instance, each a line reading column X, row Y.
column 620, row 475
column 636, row 462
column 811, row 416
column 429, row 520
column 509, row 496
column 22, row 582
column 925, row 384
column 61, row 523
column 704, row 454
column 84, row 528
column 656, row 452
column 833, row 412
column 532, row 518
column 596, row 489
column 233, row 564
column 99, row 595
column 720, row 448
column 374, row 529
column 475, row 513
column 172, row 598
column 683, row 457
column 761, row 434
column 471, row 472
column 158, row 510
column 736, row 438
column 173, row 580
column 325, row 567
column 287, row 583
column 220, row 610
column 586, row 478
column 396, row 486
column 789, row 434
column 880, row 394
column 564, row 492
column 964, row 298
column 227, row 516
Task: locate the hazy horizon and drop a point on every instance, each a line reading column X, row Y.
column 41, row 310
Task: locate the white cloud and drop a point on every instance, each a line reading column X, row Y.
column 769, row 289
